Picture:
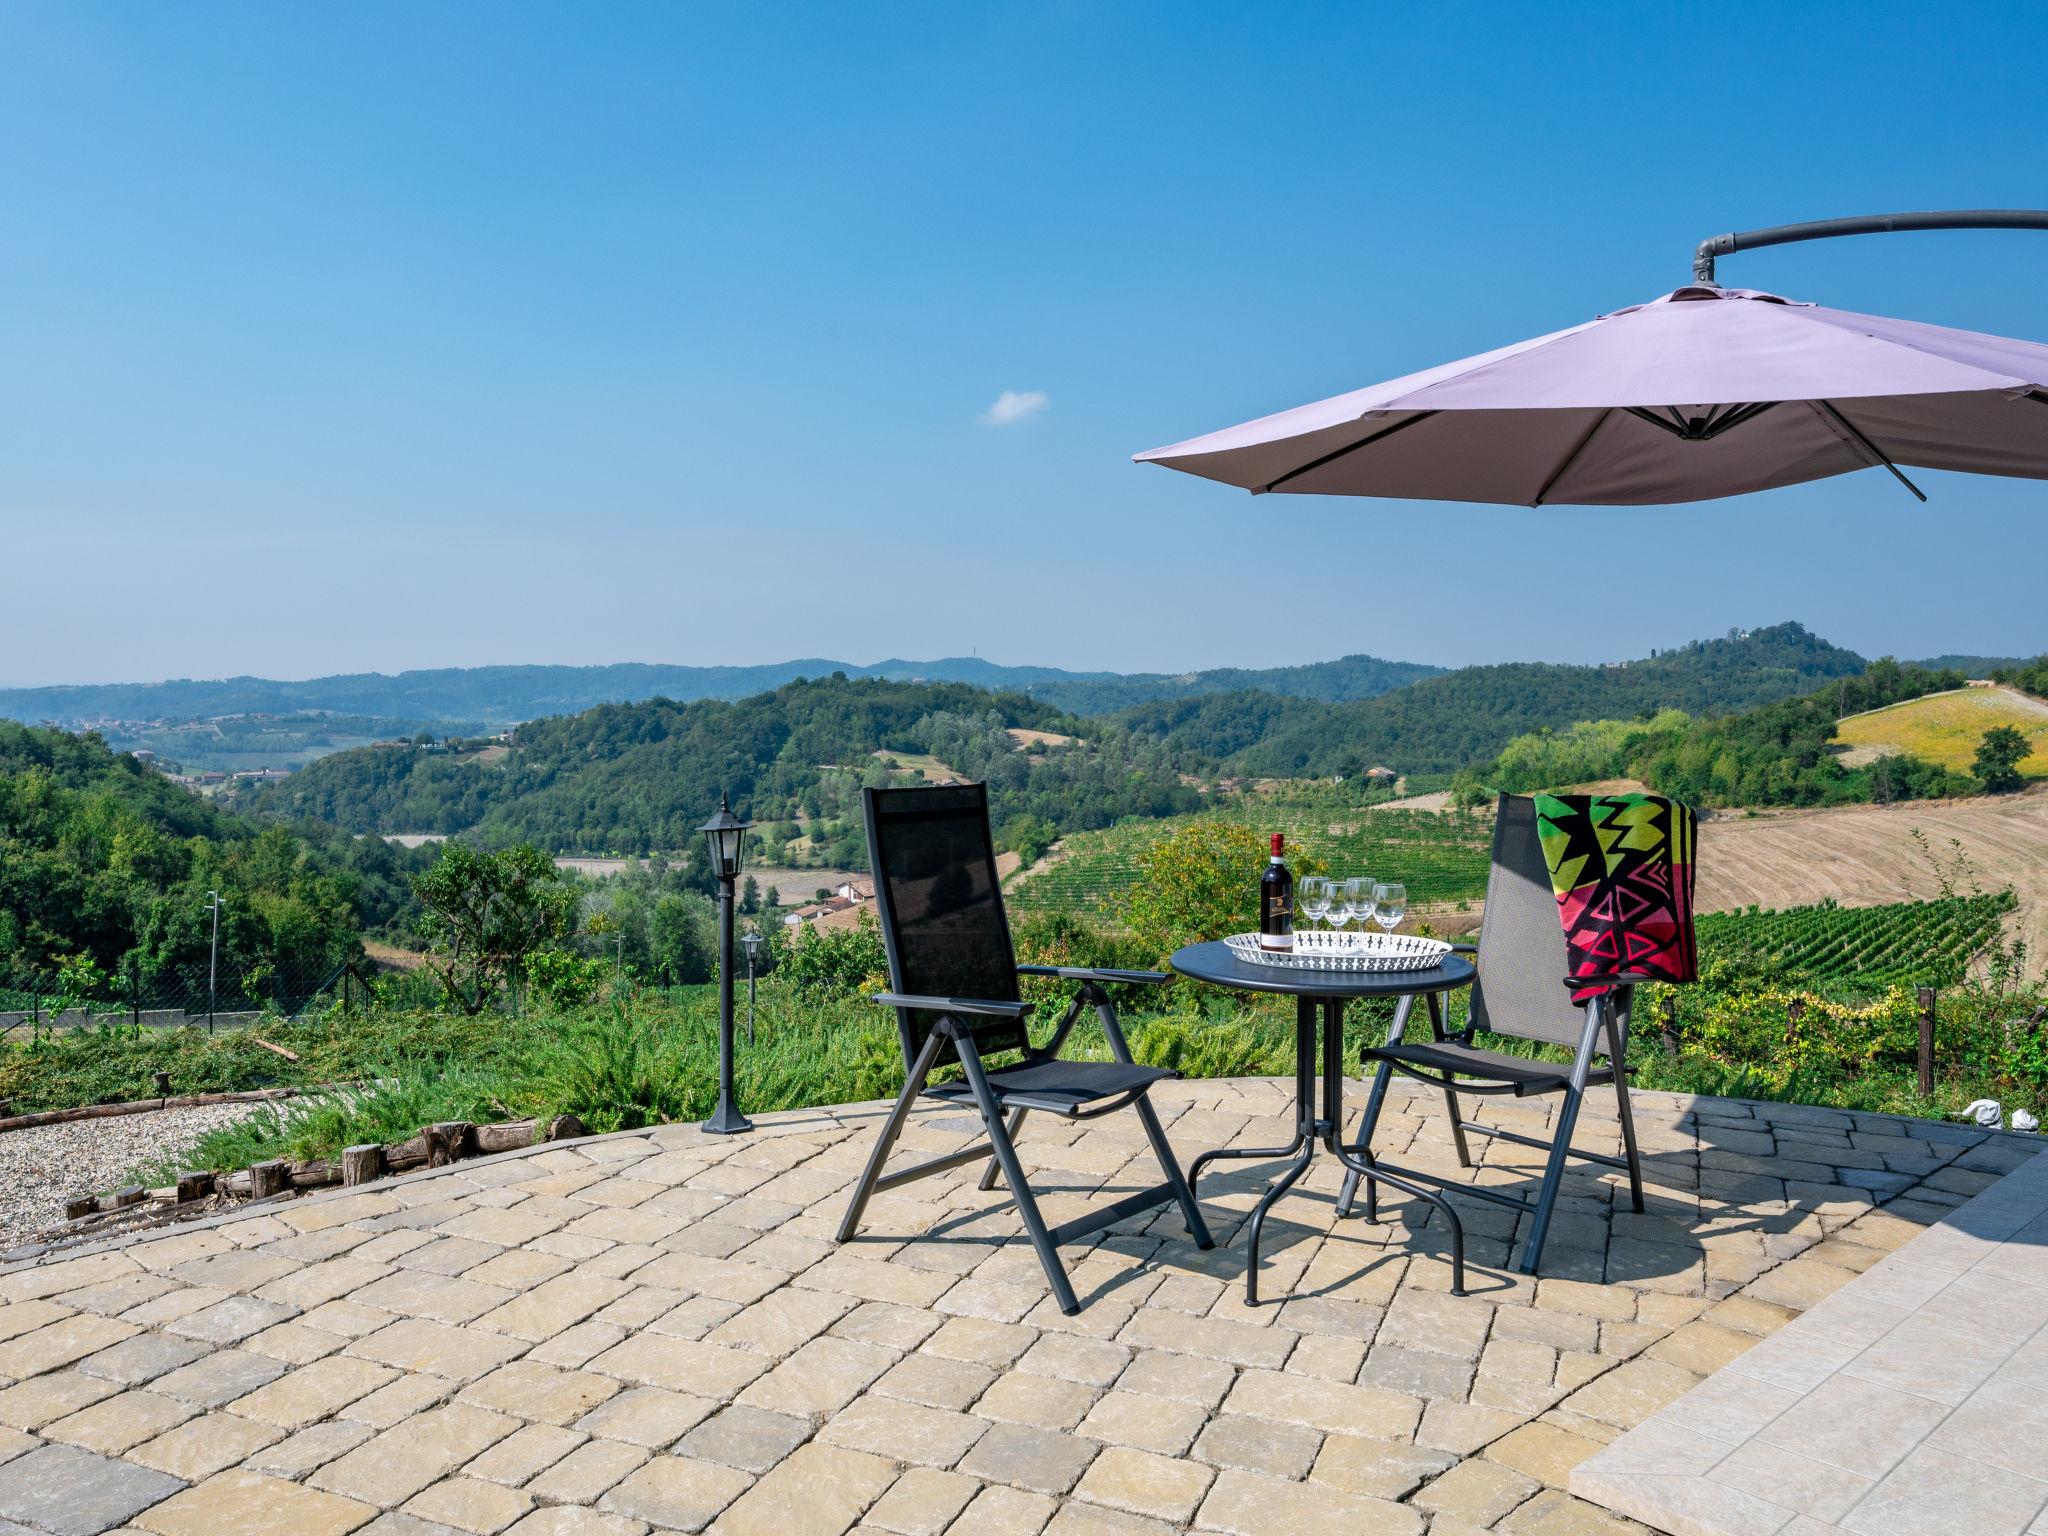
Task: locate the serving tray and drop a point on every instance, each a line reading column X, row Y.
column 1321, row 951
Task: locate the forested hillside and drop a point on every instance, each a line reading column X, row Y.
column 1461, row 718
column 1778, row 754
column 105, row 868
column 634, row 778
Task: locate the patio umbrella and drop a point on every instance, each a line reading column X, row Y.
column 1705, row 392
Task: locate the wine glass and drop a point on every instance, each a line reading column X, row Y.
column 1315, row 898
column 1341, row 910
column 1390, row 904
column 1358, row 896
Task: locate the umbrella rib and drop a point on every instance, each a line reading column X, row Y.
column 1876, row 453
column 1363, row 442
column 1572, row 458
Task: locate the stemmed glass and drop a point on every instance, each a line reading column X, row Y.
column 1390, row 901
column 1315, row 898
column 1358, row 899
column 1340, row 905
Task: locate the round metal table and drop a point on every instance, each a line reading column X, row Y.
column 1320, row 991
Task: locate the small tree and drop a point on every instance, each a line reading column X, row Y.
column 1201, row 882
column 1468, row 791
column 681, row 935
column 1997, row 764
column 750, row 895
column 487, row 914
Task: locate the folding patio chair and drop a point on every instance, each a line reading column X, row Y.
column 953, row 977
column 1522, row 959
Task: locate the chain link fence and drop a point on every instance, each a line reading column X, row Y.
column 34, row 1002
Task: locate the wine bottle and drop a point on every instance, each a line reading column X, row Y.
column 1276, row 903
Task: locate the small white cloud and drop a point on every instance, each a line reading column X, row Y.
column 1015, row 405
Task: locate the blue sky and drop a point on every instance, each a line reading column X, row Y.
column 396, row 335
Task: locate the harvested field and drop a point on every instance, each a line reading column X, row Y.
column 1866, row 855
column 1024, row 738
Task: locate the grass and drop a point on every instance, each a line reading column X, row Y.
column 1945, row 728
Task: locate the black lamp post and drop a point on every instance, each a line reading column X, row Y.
column 754, row 944
column 727, row 835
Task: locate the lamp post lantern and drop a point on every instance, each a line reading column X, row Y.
column 727, row 835
column 754, row 944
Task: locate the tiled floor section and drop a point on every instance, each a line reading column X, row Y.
column 1913, row 1401
column 656, row 1331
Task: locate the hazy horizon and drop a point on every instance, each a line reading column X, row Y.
column 909, row 659
column 396, row 338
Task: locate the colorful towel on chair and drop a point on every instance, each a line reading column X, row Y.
column 1622, row 869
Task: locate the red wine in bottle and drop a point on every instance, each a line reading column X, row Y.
column 1276, row 903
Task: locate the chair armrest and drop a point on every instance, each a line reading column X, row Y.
column 980, row 1006
column 1612, row 979
column 1090, row 973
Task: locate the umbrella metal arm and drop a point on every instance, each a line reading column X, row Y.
column 1866, row 224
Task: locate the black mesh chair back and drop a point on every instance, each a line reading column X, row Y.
column 941, row 905
column 1522, row 953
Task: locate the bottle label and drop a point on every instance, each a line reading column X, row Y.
column 1276, row 922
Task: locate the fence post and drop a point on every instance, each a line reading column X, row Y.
column 1670, row 1025
column 1925, row 997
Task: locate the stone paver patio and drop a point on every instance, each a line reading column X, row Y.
column 655, row 1330
column 1911, row 1402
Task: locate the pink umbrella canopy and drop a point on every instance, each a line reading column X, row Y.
column 1705, row 392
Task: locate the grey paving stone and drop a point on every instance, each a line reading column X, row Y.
column 221, row 1377
column 1417, row 1372
column 1043, row 1460
column 143, row 1358
column 69, row 1492
column 748, row 1438
column 231, row 1321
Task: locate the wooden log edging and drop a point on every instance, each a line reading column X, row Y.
column 107, row 1228
column 434, row 1146
column 149, row 1106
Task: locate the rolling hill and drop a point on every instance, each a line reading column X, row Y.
column 1945, row 728
column 1456, row 719
column 640, row 778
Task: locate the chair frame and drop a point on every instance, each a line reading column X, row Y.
column 959, row 1019
column 1607, row 1016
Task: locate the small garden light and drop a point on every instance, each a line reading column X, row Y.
column 753, row 943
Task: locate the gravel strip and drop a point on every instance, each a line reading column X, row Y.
column 41, row 1165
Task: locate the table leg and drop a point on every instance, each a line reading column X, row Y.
column 1373, row 1104
column 1303, row 1145
column 1301, row 1133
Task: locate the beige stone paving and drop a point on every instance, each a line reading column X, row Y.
column 655, row 1331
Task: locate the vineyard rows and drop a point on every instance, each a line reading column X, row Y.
column 1928, row 942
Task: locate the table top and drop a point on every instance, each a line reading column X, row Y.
column 1213, row 962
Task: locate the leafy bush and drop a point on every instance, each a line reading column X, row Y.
column 832, row 960
column 1201, row 882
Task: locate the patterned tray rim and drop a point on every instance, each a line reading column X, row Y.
column 1365, row 952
